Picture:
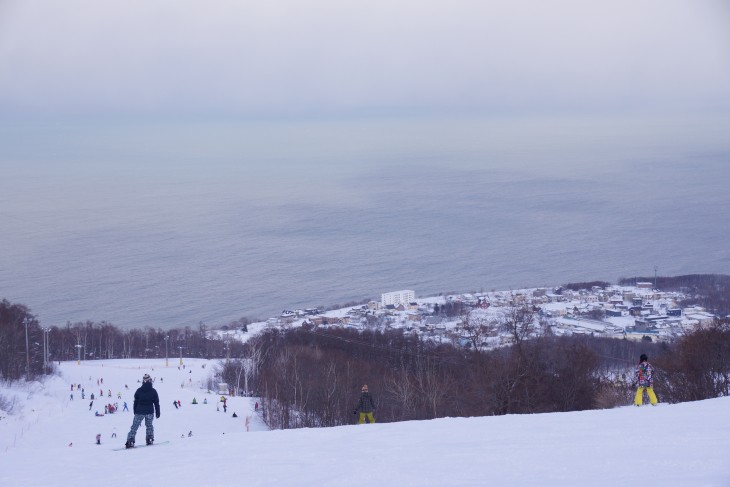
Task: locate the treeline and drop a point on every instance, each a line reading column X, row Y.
column 312, row 377
column 90, row 340
column 578, row 286
column 711, row 291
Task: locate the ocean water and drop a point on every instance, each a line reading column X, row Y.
column 172, row 224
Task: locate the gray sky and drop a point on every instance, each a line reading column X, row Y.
column 289, row 57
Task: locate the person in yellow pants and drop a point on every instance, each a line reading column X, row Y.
column 644, row 379
column 369, row 417
column 365, row 406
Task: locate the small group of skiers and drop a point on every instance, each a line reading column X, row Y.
column 78, row 388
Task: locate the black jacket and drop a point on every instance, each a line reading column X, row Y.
column 146, row 400
column 366, row 404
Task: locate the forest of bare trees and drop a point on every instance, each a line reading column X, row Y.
column 93, row 340
column 311, row 377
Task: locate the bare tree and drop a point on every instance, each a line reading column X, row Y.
column 253, row 357
column 433, row 384
column 519, row 322
column 400, row 386
column 477, row 327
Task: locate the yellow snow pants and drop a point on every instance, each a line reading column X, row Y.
column 369, row 416
column 639, row 399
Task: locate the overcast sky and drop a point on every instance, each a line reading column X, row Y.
column 289, row 57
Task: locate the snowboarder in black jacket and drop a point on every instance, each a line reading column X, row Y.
column 366, row 406
column 146, row 405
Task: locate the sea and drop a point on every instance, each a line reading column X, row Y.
column 173, row 223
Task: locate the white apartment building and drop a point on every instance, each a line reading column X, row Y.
column 397, row 297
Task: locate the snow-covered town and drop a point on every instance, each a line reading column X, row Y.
column 638, row 312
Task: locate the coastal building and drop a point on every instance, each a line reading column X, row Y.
column 397, row 297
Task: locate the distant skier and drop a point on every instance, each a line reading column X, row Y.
column 98, row 438
column 174, row 403
column 126, row 408
column 644, row 379
column 90, row 405
column 146, row 406
column 365, row 406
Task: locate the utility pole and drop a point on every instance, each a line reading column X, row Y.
column 48, row 346
column 166, row 339
column 27, row 349
column 180, row 354
column 656, row 268
column 45, row 350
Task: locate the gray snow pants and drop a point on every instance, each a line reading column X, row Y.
column 150, row 433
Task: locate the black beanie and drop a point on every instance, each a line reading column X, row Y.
column 643, row 358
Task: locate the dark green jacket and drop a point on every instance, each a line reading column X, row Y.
column 366, row 403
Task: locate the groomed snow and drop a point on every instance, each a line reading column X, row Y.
column 669, row 445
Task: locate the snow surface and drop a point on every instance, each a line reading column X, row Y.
column 669, row 445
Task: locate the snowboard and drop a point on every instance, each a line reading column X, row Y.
column 140, row 446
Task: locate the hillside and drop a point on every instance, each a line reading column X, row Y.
column 49, row 440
